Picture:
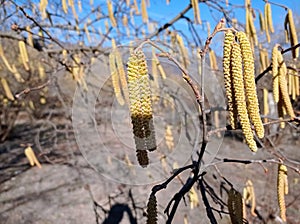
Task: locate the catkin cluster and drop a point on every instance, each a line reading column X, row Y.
column 238, row 68
column 235, row 206
column 280, row 86
column 282, row 189
column 140, row 106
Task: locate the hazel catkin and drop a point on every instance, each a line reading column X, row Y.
column 249, row 79
column 282, row 189
column 229, row 38
column 239, row 90
column 152, row 210
column 235, row 206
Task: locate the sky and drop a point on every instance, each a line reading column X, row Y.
column 162, row 13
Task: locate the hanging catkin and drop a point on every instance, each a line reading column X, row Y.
column 140, row 105
column 268, row 16
column 235, row 206
column 7, row 90
column 152, row 210
column 282, row 72
column 111, row 14
column 275, row 53
column 144, row 11
column 282, row 189
column 239, row 90
column 229, row 38
column 249, row 79
column 292, row 33
column 196, row 11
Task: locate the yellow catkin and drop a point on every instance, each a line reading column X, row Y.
column 159, row 66
column 293, row 84
column 72, row 5
column 235, row 206
column 268, row 14
column 152, row 210
column 296, row 83
column 247, row 25
column 76, row 68
column 282, row 72
column 115, row 78
column 87, row 33
column 267, row 25
column 252, row 28
column 135, row 7
column 17, row 75
column 275, row 53
column 263, row 58
column 120, row 71
column 262, row 22
column 194, row 199
column 41, row 69
column 249, row 78
column 111, row 13
column 64, row 6
column 282, row 190
column 196, row 12
column 169, row 137
column 24, row 55
column 213, row 60
column 293, row 33
column 249, row 196
column 43, row 100
column 229, row 38
column 140, row 102
column 43, row 6
column 29, row 153
column 266, row 103
column 144, row 11
column 290, row 80
column 8, row 66
column 7, row 90
column 183, row 50
column 239, row 91
column 64, row 55
column 125, row 20
column 29, row 36
column 244, row 209
column 185, row 219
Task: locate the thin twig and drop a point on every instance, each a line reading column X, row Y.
column 171, row 22
column 28, row 90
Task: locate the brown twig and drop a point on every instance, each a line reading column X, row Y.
column 277, row 4
column 259, row 161
column 171, row 22
column 28, row 90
